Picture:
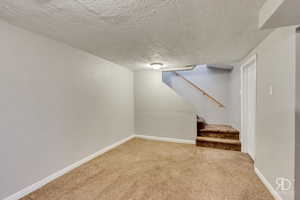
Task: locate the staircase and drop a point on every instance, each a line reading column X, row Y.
column 213, row 136
column 218, row 136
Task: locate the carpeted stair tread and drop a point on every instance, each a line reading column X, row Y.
column 233, row 136
column 218, row 140
column 219, row 143
column 220, row 129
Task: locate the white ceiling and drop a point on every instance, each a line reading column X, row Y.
column 134, row 33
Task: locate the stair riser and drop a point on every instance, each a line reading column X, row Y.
column 200, row 126
column 233, row 147
column 217, row 131
column 219, row 135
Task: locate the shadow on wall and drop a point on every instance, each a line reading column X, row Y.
column 214, row 81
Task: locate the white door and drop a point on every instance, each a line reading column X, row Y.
column 249, row 107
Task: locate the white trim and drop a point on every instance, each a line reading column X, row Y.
column 69, row 168
column 242, row 110
column 50, row 178
column 60, row 173
column 242, row 135
column 267, row 184
column 166, row 139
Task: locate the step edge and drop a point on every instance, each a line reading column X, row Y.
column 218, row 131
column 218, row 140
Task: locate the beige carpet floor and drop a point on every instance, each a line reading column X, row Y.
column 143, row 169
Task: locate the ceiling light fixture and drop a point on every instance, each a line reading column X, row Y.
column 156, row 65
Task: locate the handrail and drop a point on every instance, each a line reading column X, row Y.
column 201, row 90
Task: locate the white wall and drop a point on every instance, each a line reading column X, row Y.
column 214, row 81
column 234, row 104
column 275, row 117
column 159, row 111
column 297, row 124
column 58, row 105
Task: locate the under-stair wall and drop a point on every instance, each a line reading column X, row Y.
column 159, row 111
column 214, row 81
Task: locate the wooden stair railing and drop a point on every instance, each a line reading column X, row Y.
column 201, row 90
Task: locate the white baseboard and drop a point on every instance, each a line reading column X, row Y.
column 165, row 139
column 69, row 168
column 50, row 178
column 267, row 184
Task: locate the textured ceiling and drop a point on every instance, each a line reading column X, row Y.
column 278, row 13
column 134, row 33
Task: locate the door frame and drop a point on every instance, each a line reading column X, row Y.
column 252, row 59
